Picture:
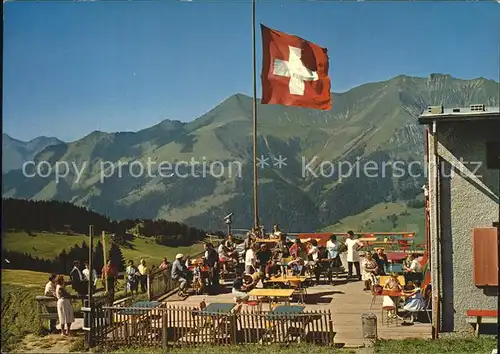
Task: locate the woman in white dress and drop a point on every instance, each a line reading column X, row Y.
column 369, row 270
column 64, row 308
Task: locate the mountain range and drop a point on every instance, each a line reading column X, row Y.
column 16, row 152
column 375, row 123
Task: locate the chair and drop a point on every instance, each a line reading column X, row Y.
column 299, row 290
column 387, row 310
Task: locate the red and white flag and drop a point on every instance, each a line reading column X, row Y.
column 294, row 71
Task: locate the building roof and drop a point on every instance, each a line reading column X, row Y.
column 473, row 113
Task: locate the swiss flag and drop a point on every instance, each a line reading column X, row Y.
column 294, row 71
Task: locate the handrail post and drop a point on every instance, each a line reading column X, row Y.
column 148, row 285
column 164, row 341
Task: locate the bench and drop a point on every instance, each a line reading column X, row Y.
column 476, row 317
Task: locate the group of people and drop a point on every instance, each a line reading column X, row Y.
column 81, row 278
column 412, row 291
column 204, row 272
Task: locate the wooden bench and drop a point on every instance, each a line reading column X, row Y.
column 476, row 317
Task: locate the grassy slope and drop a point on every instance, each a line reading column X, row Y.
column 19, row 311
column 48, row 246
column 483, row 345
column 375, row 219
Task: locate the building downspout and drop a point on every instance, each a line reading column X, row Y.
column 437, row 240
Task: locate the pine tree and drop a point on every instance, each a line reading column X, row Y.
column 116, row 256
column 98, row 261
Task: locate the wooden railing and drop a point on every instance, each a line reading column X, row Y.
column 182, row 326
column 160, row 281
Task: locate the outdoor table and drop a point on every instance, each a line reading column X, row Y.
column 138, row 309
column 286, row 314
column 286, row 279
column 212, row 310
column 277, row 293
column 390, row 293
column 266, row 240
column 285, row 310
column 215, row 308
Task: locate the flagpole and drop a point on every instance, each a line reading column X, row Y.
column 254, row 121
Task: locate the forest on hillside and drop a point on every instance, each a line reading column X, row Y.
column 62, row 218
column 63, row 263
column 68, row 219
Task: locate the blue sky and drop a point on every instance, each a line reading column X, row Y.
column 74, row 67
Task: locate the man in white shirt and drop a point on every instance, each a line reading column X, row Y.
column 353, row 247
column 86, row 275
column 413, row 272
column 143, row 278
column 251, row 260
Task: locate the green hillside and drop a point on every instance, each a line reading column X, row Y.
column 49, row 245
column 380, row 218
column 374, row 122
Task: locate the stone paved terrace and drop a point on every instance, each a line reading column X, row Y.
column 346, row 301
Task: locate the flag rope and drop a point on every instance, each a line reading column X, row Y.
column 254, row 122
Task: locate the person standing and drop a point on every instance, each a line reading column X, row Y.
column 109, row 277
column 88, row 278
column 132, row 277
column 212, row 260
column 353, row 248
column 164, row 263
column 251, row 260
column 333, row 249
column 77, row 281
column 381, row 258
column 370, row 270
column 50, row 291
column 64, row 308
column 143, row 270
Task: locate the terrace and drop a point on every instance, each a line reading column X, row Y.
column 322, row 313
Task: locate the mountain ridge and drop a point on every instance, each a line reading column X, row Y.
column 372, row 122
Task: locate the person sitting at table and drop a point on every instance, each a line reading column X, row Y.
column 239, row 290
column 276, row 234
column 180, row 274
column 413, row 270
column 298, row 249
column 381, row 258
column 297, row 265
column 225, row 257
column 393, row 285
column 280, row 250
column 231, row 247
column 272, row 269
column 263, row 256
column 414, row 300
column 369, row 271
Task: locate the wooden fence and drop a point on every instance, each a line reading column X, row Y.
column 182, row 326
